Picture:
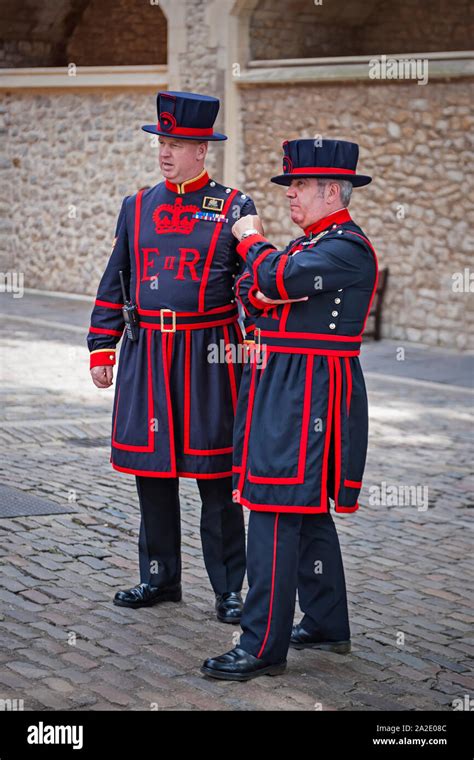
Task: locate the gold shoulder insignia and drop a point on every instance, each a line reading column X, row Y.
column 318, row 237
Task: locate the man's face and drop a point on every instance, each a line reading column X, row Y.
column 181, row 160
column 308, row 202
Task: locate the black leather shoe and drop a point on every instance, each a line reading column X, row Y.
column 238, row 665
column 145, row 595
column 229, row 607
column 301, row 639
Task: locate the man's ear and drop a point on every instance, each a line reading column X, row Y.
column 334, row 190
column 202, row 150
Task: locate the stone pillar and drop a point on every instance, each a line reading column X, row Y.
column 207, row 48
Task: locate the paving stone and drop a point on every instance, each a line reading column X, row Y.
column 407, row 571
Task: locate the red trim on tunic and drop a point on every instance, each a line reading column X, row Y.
column 337, row 431
column 150, row 446
column 247, row 427
column 313, row 351
column 376, row 277
column 108, row 304
column 166, row 372
column 190, row 325
column 250, row 295
column 138, row 207
column 303, row 442
column 211, row 250
column 348, row 384
column 104, row 331
column 279, row 277
column 253, row 300
column 272, row 588
column 257, row 263
column 353, row 483
column 187, row 408
column 231, row 368
column 248, row 242
column 315, row 336
column 208, row 312
column 288, row 510
column 178, row 473
column 284, row 317
column 327, row 439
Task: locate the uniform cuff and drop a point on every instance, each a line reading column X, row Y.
column 253, row 300
column 103, row 357
column 246, row 243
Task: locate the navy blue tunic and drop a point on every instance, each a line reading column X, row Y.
column 174, row 402
column 301, row 426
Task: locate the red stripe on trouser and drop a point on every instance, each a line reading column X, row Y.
column 272, row 590
column 348, row 384
column 248, row 418
column 337, row 430
column 327, row 438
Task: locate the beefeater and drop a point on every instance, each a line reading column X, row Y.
column 301, row 427
column 174, row 408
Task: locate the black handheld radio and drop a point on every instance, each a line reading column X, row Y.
column 130, row 314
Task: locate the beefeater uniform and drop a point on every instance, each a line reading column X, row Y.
column 174, row 407
column 302, row 419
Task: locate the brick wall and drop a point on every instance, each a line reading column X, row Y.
column 301, row 29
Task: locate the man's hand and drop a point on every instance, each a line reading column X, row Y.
column 102, row 376
column 249, row 222
column 260, row 297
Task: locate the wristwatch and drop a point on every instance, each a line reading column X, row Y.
column 247, row 234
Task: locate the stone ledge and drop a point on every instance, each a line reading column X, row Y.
column 86, row 76
column 352, row 68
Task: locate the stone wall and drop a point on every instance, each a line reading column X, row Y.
column 119, row 32
column 71, row 154
column 301, row 29
column 416, row 143
column 86, row 32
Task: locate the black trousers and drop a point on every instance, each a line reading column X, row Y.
column 286, row 552
column 222, row 533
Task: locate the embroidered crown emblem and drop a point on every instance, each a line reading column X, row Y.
column 176, row 218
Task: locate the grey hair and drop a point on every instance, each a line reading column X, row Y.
column 344, row 185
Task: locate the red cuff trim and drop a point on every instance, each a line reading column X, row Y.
column 102, row 358
column 244, row 245
column 353, row 483
column 279, row 277
column 254, row 301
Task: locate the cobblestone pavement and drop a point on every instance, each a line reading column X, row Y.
column 64, row 645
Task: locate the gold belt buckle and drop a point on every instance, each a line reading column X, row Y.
column 173, row 323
